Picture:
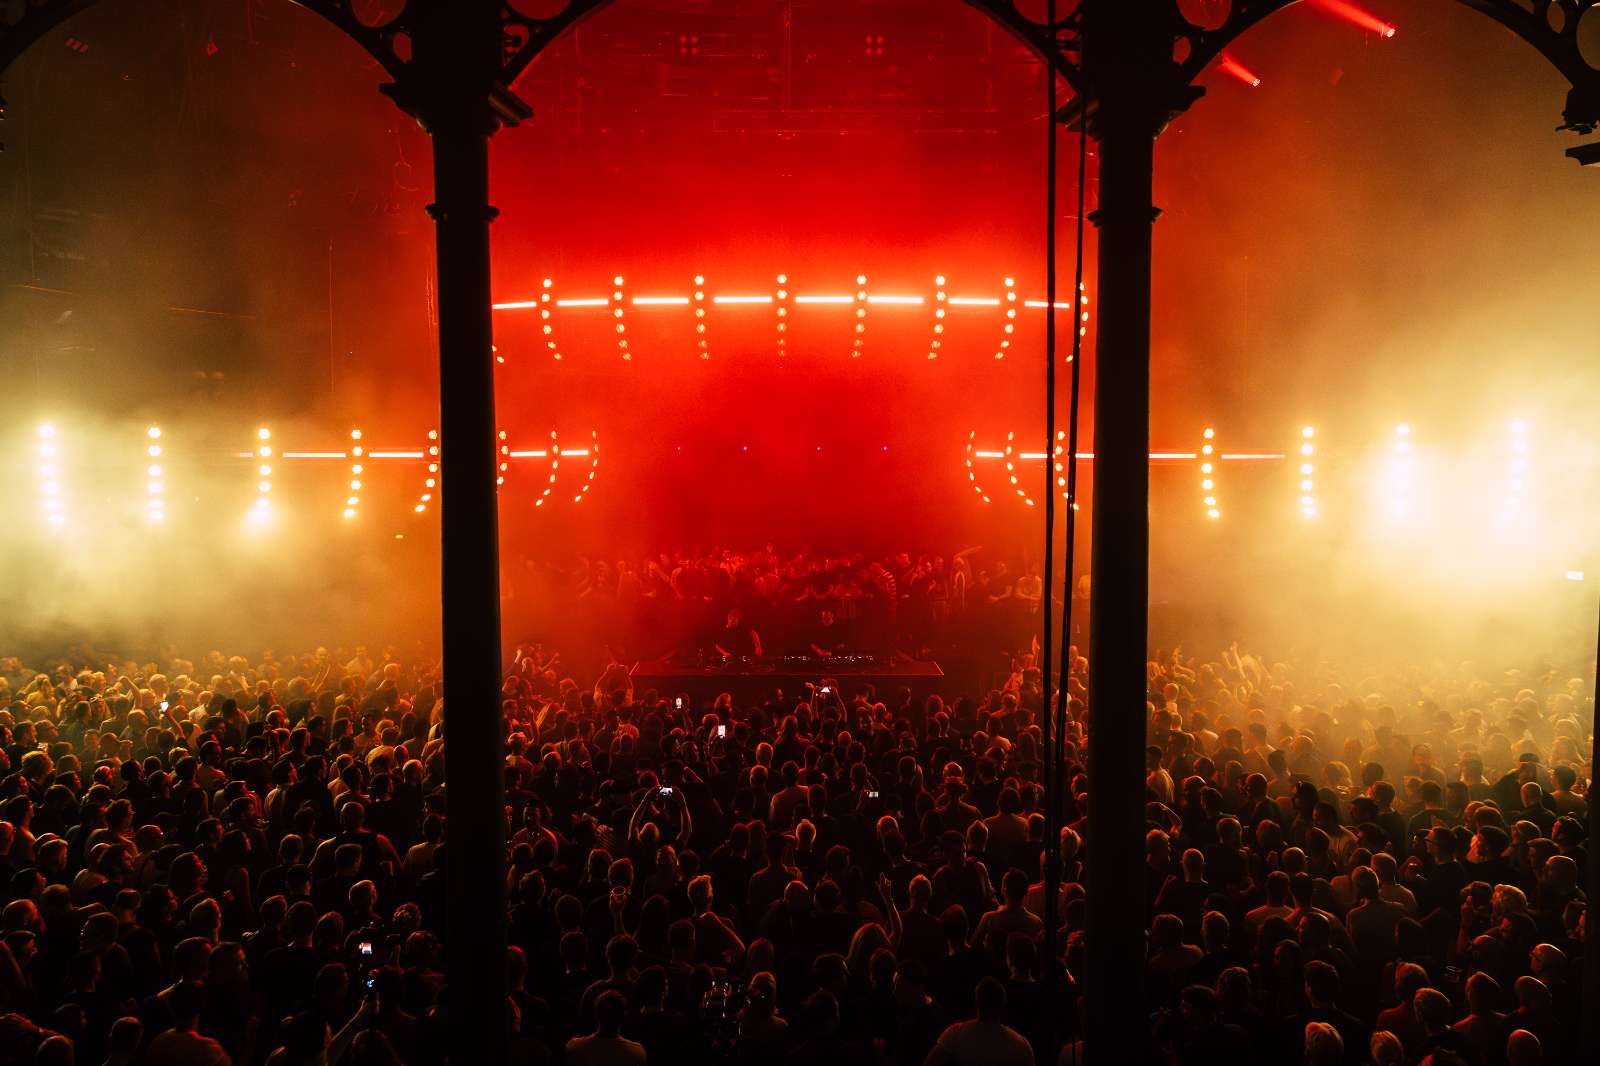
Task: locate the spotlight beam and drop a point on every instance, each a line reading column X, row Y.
column 1229, row 65
column 1356, row 16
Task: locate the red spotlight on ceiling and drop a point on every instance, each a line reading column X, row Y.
column 1358, row 16
column 1230, row 65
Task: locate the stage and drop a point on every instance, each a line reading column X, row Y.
column 755, row 678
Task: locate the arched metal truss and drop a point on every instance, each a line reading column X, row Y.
column 1553, row 27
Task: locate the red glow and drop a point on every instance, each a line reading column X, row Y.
column 1357, row 16
column 1230, row 65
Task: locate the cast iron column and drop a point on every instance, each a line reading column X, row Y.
column 458, row 80
column 1126, row 128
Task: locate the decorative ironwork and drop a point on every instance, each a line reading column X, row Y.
column 387, row 37
column 1556, row 28
column 24, row 22
column 1563, row 31
column 1059, row 45
column 1195, row 47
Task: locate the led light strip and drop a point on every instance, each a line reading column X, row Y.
column 1058, row 461
column 352, row 502
column 1083, row 317
column 555, row 464
column 263, row 506
column 50, row 476
column 700, row 316
column 617, row 313
column 430, row 482
column 1308, row 469
column 1011, row 324
column 1401, row 467
column 1208, row 484
column 155, row 488
column 505, row 456
column 972, row 474
column 594, row 465
column 1154, row 456
column 861, row 316
column 1011, row 468
column 1517, row 470
column 544, row 316
column 860, row 300
column 782, row 314
column 1057, row 457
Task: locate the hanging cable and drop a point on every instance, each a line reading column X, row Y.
column 1055, row 713
column 1050, row 765
column 1071, row 453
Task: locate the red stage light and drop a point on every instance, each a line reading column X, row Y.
column 861, row 314
column 1010, row 326
column 1230, row 65
column 781, row 300
column 1207, row 456
column 783, row 313
column 1357, row 16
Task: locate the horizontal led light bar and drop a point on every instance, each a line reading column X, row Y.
column 781, row 299
column 1231, row 457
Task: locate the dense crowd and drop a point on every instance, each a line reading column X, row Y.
column 232, row 860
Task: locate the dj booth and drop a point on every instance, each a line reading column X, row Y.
column 751, row 678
